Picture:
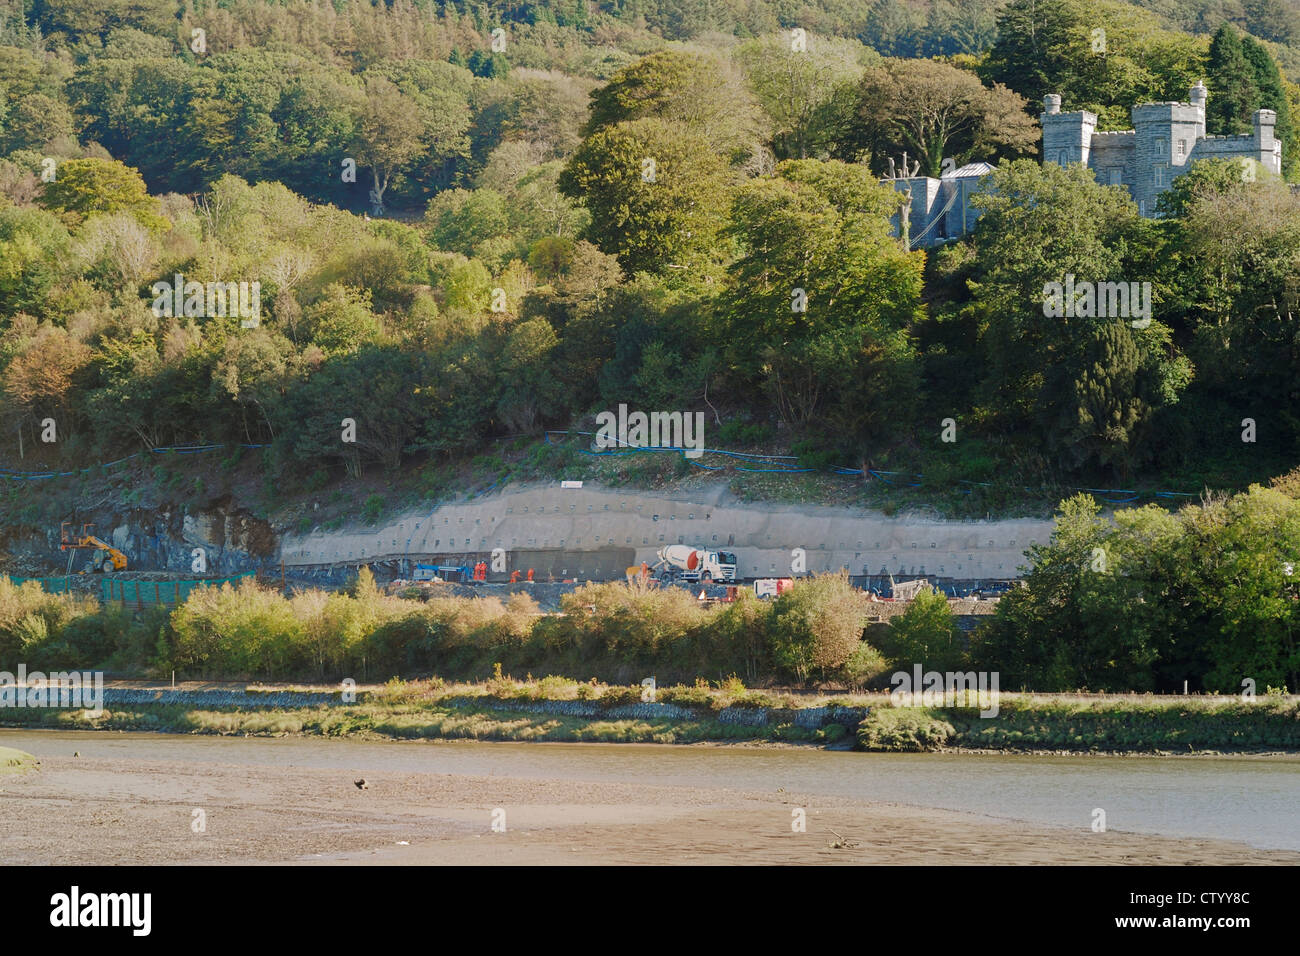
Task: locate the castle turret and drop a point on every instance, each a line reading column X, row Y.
column 1167, row 133
column 1165, row 140
column 1067, row 137
column 1267, row 148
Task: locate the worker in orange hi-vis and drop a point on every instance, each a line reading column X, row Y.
column 514, row 577
column 530, row 574
column 645, row 572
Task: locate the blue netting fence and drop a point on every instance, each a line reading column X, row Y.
column 788, row 465
column 741, row 461
column 13, row 475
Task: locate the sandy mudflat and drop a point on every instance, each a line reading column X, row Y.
column 86, row 810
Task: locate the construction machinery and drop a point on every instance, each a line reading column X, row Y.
column 106, row 557
column 682, row 562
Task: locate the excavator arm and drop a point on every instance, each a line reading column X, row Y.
column 117, row 558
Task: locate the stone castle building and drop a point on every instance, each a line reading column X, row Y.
column 939, row 209
column 1165, row 140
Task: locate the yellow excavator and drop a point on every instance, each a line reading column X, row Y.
column 106, row 557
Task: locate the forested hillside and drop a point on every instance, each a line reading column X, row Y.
column 474, row 221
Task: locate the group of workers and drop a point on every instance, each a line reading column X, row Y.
column 481, row 572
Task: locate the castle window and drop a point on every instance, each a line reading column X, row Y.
column 1063, row 157
column 1116, row 176
column 1182, row 148
column 1161, row 174
column 1162, row 146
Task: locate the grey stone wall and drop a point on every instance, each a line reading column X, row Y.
column 1166, row 140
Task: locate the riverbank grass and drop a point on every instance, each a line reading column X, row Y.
column 491, row 720
column 1032, row 722
column 533, row 710
column 16, row 761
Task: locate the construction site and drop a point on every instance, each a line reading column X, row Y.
column 545, row 540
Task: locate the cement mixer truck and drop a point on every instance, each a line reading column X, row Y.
column 681, row 562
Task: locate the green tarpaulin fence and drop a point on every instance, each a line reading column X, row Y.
column 141, row 593
column 136, row 593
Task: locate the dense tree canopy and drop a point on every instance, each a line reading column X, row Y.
column 1152, row 599
column 933, row 111
column 456, row 223
column 663, row 203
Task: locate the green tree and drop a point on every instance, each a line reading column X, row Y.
column 36, row 122
column 1155, row 599
column 821, row 300
column 705, row 94
column 817, row 625
column 1273, row 96
column 1042, row 225
column 380, row 387
column 389, row 136
column 459, row 220
column 139, row 110
column 1101, row 55
column 32, row 244
column 796, row 86
column 934, row 111
column 655, row 191
column 342, row 322
column 317, row 115
column 439, row 93
column 926, row 634
column 530, row 392
column 251, row 372
column 1237, row 286
column 1234, row 91
column 551, row 256
column 1249, row 584
column 84, row 187
column 1103, row 415
column 1071, row 624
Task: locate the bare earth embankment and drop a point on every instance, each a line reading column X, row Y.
column 95, row 810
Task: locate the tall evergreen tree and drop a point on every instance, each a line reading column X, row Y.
column 1031, row 55
column 1272, row 95
column 1103, row 411
column 1234, row 92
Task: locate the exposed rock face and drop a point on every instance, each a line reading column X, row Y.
column 232, row 540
